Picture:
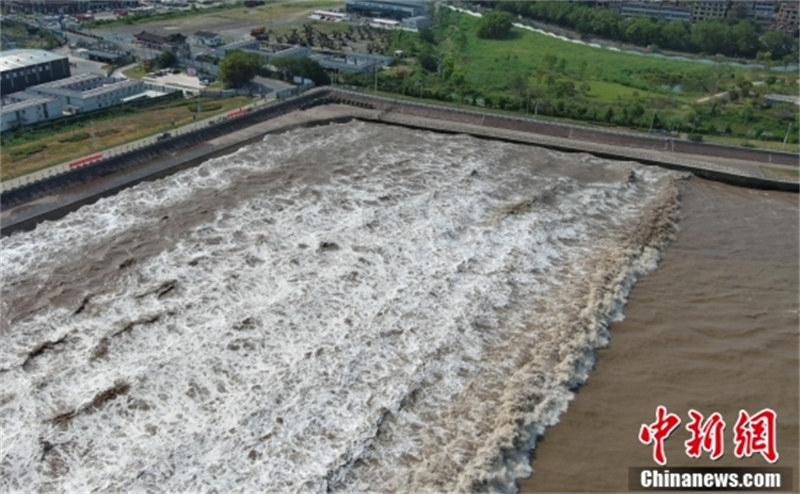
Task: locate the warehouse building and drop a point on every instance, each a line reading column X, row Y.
column 88, row 92
column 266, row 52
column 20, row 69
column 658, row 11
column 356, row 63
column 66, row 6
column 396, row 9
column 21, row 109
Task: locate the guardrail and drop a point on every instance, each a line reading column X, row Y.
column 574, row 131
column 22, row 189
column 28, row 187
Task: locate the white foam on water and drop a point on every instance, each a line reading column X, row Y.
column 352, row 307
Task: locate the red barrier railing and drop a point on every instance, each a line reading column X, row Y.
column 239, row 113
column 85, row 161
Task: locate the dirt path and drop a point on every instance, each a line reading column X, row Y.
column 713, row 96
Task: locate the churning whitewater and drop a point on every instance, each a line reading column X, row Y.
column 350, row 307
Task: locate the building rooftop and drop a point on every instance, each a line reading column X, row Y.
column 159, row 39
column 69, row 81
column 240, row 44
column 206, row 34
column 111, row 87
column 24, row 104
column 20, row 58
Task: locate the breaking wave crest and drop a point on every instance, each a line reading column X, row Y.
column 351, row 307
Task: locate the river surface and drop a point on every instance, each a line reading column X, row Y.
column 714, row 328
column 359, row 307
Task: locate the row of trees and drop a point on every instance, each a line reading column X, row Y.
column 737, row 115
column 26, row 36
column 557, row 86
column 337, row 40
column 238, row 68
column 731, row 37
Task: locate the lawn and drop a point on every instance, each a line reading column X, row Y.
column 42, row 148
column 136, row 72
column 487, row 63
column 222, row 17
column 592, row 84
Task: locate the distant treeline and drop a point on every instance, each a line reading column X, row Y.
column 19, row 35
column 733, row 37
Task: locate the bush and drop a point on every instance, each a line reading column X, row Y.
column 495, row 25
column 695, row 137
column 79, row 136
column 204, row 108
column 28, row 150
column 107, row 132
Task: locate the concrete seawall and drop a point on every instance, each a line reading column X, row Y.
column 55, row 196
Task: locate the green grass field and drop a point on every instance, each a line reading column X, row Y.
column 36, row 149
column 224, row 16
column 486, row 63
column 605, row 86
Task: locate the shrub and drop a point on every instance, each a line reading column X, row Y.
column 78, row 136
column 204, row 108
column 28, row 150
column 107, row 132
column 695, row 137
column 495, row 25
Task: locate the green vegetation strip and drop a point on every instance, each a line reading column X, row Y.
column 527, row 72
column 33, row 150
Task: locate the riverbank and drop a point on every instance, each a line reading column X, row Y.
column 55, row 196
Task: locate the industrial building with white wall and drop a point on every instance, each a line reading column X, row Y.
column 89, row 92
column 77, row 94
column 25, row 109
column 23, row 68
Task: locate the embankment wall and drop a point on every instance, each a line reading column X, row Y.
column 188, row 149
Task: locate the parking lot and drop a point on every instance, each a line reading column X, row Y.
column 181, row 80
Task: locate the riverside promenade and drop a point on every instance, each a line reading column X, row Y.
column 52, row 193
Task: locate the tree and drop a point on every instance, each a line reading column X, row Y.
column 778, row 43
column 713, row 37
column 165, row 60
column 642, row 31
column 303, row 67
column 495, row 25
column 427, row 59
column 746, row 35
column 426, row 35
column 609, row 116
column 675, row 35
column 238, row 68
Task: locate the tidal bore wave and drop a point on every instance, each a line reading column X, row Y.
column 351, row 307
